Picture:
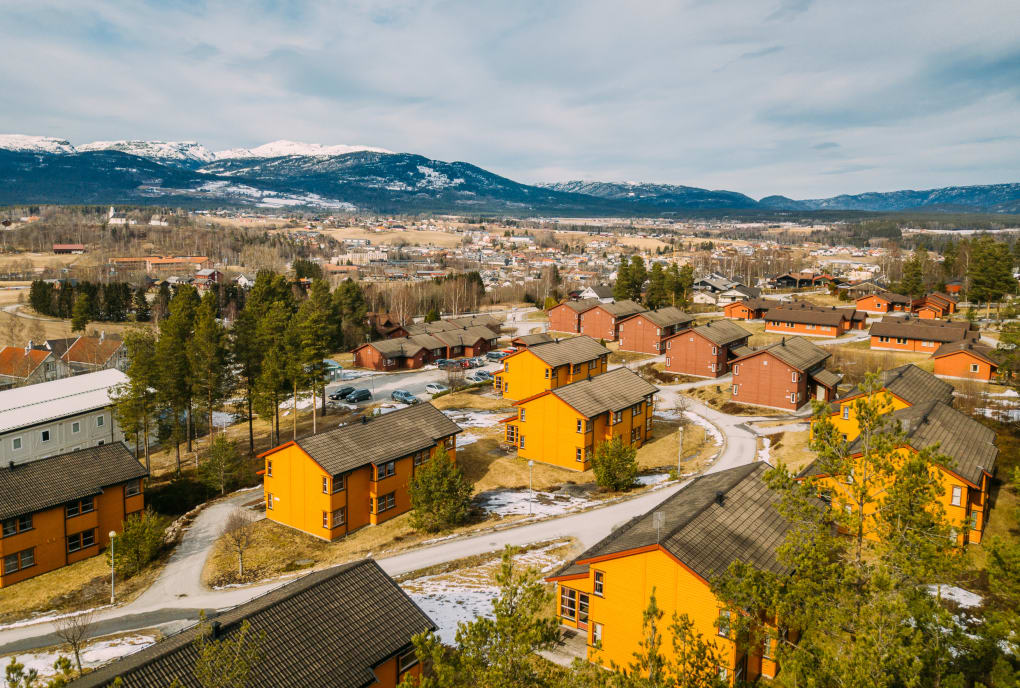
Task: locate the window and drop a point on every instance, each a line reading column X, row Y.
column 13, row 526
column 325, row 485
column 82, row 540
column 522, row 441
column 883, row 339
column 724, row 623
column 974, row 367
column 577, row 368
column 957, row 495
column 793, row 376
column 133, row 488
column 766, row 648
column 338, row 483
column 16, row 443
column 75, row 427
column 523, row 414
column 765, row 362
column 648, row 425
column 339, row 516
column 19, row 560
column 546, row 373
column 269, row 468
column 385, row 470
column 715, row 350
column 618, row 417
column 325, row 519
column 100, row 421
column 423, row 456
column 44, row 436
column 406, row 661
column 736, row 389
column 596, row 635
column 736, row 369
column 636, row 410
column 593, row 364
column 80, row 507
column 712, row 367
column 669, row 344
column 578, row 455
column 269, row 500
column 846, row 413
column 901, row 340
column 598, row 583
column 724, row 674
column 385, row 502
column 667, row 362
column 568, row 603
column 974, row 520
column 927, row 343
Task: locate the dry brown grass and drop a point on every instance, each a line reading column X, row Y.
column 538, row 316
column 480, row 399
column 791, row 448
column 718, row 397
column 618, row 356
column 661, row 452
column 411, row 237
column 481, row 568
column 855, row 361
column 656, row 372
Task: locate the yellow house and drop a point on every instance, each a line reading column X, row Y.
column 564, row 426
column 330, row 484
column 550, row 365
column 906, row 386
column 969, row 444
column 675, row 550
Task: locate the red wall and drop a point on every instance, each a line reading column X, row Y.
column 641, row 334
column 695, row 357
column 764, row 380
column 598, row 324
column 563, row 318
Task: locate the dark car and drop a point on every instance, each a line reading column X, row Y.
column 357, row 396
column 404, row 397
column 449, row 363
column 496, row 355
column 338, row 394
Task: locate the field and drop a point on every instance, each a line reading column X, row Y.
column 412, row 237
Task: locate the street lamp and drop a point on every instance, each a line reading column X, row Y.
column 531, row 484
column 113, row 567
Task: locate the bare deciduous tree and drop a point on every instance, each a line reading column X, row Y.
column 75, row 630
column 239, row 531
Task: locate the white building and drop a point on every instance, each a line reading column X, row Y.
column 49, row 418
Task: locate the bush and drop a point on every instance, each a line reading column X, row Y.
column 222, row 468
column 139, row 543
column 615, row 465
column 179, row 496
column 440, row 495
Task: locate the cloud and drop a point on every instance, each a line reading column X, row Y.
column 852, row 96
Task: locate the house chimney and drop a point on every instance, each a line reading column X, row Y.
column 214, row 629
column 364, row 420
column 783, row 343
column 719, row 498
column 102, row 335
column 10, row 464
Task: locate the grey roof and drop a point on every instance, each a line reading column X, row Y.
column 533, row 339
column 400, row 347
column 621, row 309
column 581, row 305
column 826, row 378
column 612, row 391
column 795, row 352
column 602, row 291
column 568, row 351
column 722, row 332
column 761, row 304
column 751, row 292
column 715, row 520
column 379, row 439
column 45, row 483
column 916, row 328
column 912, row 385
column 667, row 316
column 58, row 346
column 327, row 629
column 893, row 297
column 741, row 351
column 489, row 321
column 800, row 312
column 972, row 346
column 465, row 337
column 969, row 444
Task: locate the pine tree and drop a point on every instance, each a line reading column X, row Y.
column 135, row 401
column 615, row 465
column 174, row 379
column 915, row 274
column 208, row 360
column 80, row 313
column 271, row 334
column 222, row 467
column 440, row 495
column 315, row 325
column 656, row 295
column 990, row 271
column 622, row 288
column 638, row 275
column 247, row 353
column 143, row 313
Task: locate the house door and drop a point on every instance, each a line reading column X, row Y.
column 582, row 611
column 821, row 393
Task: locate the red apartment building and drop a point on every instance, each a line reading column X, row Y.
column 705, row 351
column 646, row 332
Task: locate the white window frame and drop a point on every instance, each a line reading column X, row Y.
column 44, row 436
column 100, row 421
column 957, row 496
column 975, row 367
column 846, row 413
column 76, row 427
column 269, row 501
column 16, row 444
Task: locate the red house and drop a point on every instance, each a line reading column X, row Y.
column 966, row 359
column 884, row 302
column 705, row 351
column 603, row 321
column 934, row 305
column 749, row 309
column 566, row 317
column 912, row 334
column 645, row 332
column 784, row 375
column 801, row 318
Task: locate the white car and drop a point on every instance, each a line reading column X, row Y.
column 436, row 388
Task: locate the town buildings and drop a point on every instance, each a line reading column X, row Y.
column 966, row 359
column 370, row 623
column 801, row 318
column 425, row 343
column 907, row 333
column 565, row 426
column 646, row 332
column 884, row 302
column 705, row 351
column 59, row 510
column 750, row 309
column 330, row 484
column 566, row 317
column 541, row 367
column 674, row 552
column 783, row 375
column 28, row 366
column 604, row 320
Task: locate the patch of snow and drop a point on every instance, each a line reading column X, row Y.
column 1007, row 393
column 35, row 144
column 48, row 617
column 222, row 419
column 433, row 179
column 1005, row 415
column 516, row 502
column 95, row 654
column 653, row 479
column 764, row 454
column 464, row 439
column 964, row 598
column 155, row 150
column 710, row 429
column 281, row 148
column 355, row 374
column 467, row 418
column 267, row 198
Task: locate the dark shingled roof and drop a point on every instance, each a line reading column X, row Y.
column 602, row 291
column 760, row 304
column 721, row 332
column 568, row 351
column 533, row 339
column 809, row 315
column 969, row 444
column 667, row 316
column 328, row 629
column 912, row 385
column 893, row 297
column 971, row 346
column 379, row 439
column 45, row 483
column 582, row 305
column 621, row 309
column 715, row 520
column 612, row 391
column 795, row 352
column 926, row 330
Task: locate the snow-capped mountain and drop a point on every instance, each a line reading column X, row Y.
column 37, row 144
column 664, row 196
column 277, row 149
column 185, row 153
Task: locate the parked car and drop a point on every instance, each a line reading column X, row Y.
column 496, row 355
column 485, row 375
column 475, row 378
column 450, row 363
column 436, row 388
column 478, row 361
column 338, row 394
column 441, row 362
column 404, row 397
column 358, row 395
column 466, row 363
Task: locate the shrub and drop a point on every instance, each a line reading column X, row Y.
column 615, row 465
column 222, row 468
column 440, row 495
column 180, row 495
column 139, row 543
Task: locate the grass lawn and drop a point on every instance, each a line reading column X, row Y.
column 539, row 316
column 855, row 359
column 562, row 335
column 618, row 356
column 791, row 448
column 47, row 328
column 656, row 372
column 718, row 397
column 81, row 585
column 480, row 399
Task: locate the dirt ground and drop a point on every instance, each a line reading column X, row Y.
column 718, row 397
column 412, row 237
column 791, row 448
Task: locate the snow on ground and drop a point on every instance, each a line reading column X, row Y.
column 710, row 429
column 222, row 419
column 652, row 479
column 467, row 418
column 776, row 429
column 464, row 595
column 764, row 454
column 1007, row 393
column 95, row 654
column 464, row 439
column 48, row 617
column 355, row 374
column 964, row 598
column 1006, row 415
column 513, row 502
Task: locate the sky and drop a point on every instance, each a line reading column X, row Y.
column 804, row 98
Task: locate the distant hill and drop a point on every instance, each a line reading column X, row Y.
column 989, row 198
column 662, row 196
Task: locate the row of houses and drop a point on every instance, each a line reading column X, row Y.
column 54, row 359
column 409, row 347
column 930, row 306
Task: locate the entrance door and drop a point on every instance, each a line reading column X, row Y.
column 582, row 611
column 821, row 394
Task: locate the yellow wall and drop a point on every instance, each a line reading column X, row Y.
column 524, row 374
column 550, row 430
column 849, row 426
column 628, row 582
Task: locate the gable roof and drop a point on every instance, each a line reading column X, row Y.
column 377, row 439
column 713, row 521
column 44, row 483
column 328, row 628
column 579, row 306
column 916, row 328
column 911, row 384
column 803, row 313
column 601, row 291
column 533, row 339
column 568, row 351
column 25, row 406
column 974, row 347
column 719, row 332
column 611, row 391
column 667, row 316
column 795, row 352
column 752, row 292
column 621, row 309
column 92, row 350
column 15, row 361
column 891, row 297
column 58, row 346
column 756, row 304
